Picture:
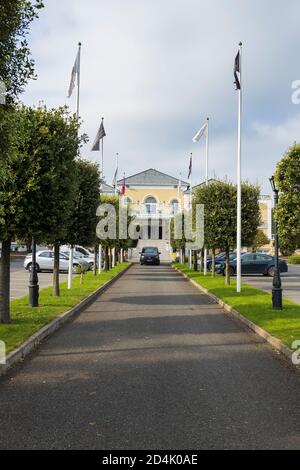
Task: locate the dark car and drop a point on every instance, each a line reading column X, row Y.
column 220, row 258
column 150, row 255
column 254, row 263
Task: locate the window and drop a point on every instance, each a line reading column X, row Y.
column 46, row 254
column 151, row 205
column 175, row 206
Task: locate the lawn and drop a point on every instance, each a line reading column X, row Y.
column 253, row 304
column 26, row 320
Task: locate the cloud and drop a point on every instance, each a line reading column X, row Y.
column 155, row 70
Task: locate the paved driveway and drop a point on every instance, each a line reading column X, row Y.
column 290, row 283
column 152, row 364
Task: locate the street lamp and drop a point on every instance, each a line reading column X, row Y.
column 33, row 280
column 277, row 289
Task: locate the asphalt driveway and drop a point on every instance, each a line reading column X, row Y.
column 151, row 364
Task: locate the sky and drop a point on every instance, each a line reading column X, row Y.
column 156, row 69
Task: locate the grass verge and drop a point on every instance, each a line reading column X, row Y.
column 253, row 304
column 26, row 320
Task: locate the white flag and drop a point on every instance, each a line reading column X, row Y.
column 200, row 133
column 75, row 72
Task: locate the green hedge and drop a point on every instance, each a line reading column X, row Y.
column 295, row 259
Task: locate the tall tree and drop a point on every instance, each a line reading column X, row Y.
column 16, row 68
column 288, row 213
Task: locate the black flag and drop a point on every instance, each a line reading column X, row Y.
column 237, row 70
column 100, row 135
column 190, row 167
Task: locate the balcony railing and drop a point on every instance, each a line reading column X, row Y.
column 149, row 211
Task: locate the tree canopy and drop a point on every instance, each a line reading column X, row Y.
column 288, row 213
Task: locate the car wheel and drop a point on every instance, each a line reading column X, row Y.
column 271, row 271
column 231, row 271
column 209, row 266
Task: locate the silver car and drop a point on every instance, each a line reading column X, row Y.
column 45, row 262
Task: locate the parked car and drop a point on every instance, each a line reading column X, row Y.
column 150, row 255
column 79, row 252
column 220, row 258
column 45, row 262
column 254, row 263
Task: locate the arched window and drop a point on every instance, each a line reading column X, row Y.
column 175, row 206
column 150, row 205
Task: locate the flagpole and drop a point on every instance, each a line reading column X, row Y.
column 102, row 178
column 239, row 178
column 71, row 251
column 78, row 79
column 115, row 182
column 206, row 182
column 191, row 204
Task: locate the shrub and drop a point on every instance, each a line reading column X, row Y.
column 295, row 259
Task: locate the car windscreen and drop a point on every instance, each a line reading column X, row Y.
column 150, row 251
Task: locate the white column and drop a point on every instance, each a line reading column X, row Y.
column 70, row 273
column 121, row 256
column 113, row 257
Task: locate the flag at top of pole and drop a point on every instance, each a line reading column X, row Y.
column 75, row 72
column 200, row 133
column 238, row 83
column 100, row 135
column 123, row 190
column 191, row 166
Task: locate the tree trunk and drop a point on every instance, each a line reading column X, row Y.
column 227, row 272
column 110, row 258
column 106, row 260
column 56, row 288
column 213, row 263
column 5, row 283
column 95, row 259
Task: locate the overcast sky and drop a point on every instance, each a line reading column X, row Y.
column 155, row 69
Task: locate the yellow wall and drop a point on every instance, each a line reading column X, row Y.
column 163, row 196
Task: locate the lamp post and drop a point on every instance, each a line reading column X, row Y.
column 33, row 280
column 277, row 289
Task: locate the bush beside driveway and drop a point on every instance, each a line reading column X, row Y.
column 253, row 304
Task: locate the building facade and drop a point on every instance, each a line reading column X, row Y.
column 156, row 196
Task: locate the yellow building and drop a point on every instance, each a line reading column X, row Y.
column 152, row 194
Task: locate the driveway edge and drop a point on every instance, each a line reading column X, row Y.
column 35, row 340
column 231, row 312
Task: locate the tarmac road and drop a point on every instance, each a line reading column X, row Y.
column 152, row 364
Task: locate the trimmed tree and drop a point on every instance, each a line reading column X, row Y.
column 288, row 213
column 220, row 201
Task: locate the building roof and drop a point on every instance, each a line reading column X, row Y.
column 152, row 177
column 107, row 189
